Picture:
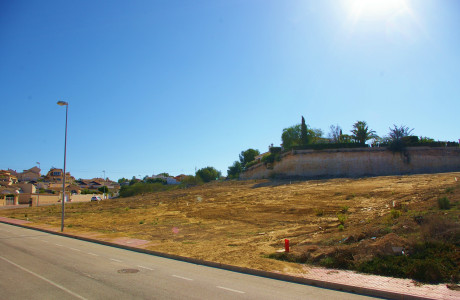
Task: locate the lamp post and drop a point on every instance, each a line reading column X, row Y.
column 38, row 195
column 63, row 103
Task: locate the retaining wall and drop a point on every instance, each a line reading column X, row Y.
column 358, row 162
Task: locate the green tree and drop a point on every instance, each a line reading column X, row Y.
column 103, row 189
column 248, row 156
column 304, row 134
column 362, row 133
column 315, row 136
column 398, row 133
column 291, row 137
column 208, row 174
column 122, row 180
column 133, row 180
column 234, row 170
column 397, row 137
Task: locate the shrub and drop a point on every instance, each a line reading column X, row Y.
column 345, row 209
column 191, row 181
column 395, row 213
column 430, row 262
column 342, row 218
column 341, row 227
column 319, row 212
column 444, row 203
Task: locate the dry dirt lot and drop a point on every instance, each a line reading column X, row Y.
column 241, row 222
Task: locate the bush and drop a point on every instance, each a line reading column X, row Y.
column 208, row 174
column 342, row 218
column 191, row 181
column 430, row 262
column 444, row 203
column 395, row 213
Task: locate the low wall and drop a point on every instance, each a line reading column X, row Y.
column 43, row 199
column 358, row 162
column 84, row 198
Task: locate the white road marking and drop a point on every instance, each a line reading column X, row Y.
column 231, row 290
column 59, row 245
column 43, row 278
column 145, row 268
column 44, row 241
column 185, row 278
column 116, row 260
column 92, row 254
column 74, row 249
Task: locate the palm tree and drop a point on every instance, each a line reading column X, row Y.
column 361, row 132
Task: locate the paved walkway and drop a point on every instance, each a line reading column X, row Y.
column 388, row 284
column 378, row 283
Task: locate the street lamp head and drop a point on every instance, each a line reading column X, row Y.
column 62, row 103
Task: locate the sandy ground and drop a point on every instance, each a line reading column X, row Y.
column 241, row 222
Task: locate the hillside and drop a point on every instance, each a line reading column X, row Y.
column 336, row 223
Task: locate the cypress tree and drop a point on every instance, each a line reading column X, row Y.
column 303, row 133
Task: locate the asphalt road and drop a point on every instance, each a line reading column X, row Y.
column 37, row 265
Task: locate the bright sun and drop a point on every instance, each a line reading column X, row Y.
column 375, row 8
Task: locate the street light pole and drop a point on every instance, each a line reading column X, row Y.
column 63, row 103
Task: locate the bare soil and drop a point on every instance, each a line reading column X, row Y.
column 242, row 222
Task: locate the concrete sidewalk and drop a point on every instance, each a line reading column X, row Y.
column 372, row 285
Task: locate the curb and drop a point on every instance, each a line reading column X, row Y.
column 272, row 275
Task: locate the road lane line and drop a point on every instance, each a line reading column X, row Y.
column 185, row 278
column 116, row 260
column 44, row 241
column 231, row 290
column 59, row 245
column 93, row 254
column 145, row 268
column 74, row 249
column 45, row 279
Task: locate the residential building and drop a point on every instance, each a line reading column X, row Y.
column 55, row 175
column 32, row 174
column 6, row 178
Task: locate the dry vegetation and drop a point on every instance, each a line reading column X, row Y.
column 243, row 222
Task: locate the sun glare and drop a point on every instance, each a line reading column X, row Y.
column 375, row 8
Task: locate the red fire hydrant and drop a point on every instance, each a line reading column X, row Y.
column 286, row 245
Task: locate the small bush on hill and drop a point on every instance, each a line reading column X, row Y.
column 444, row 203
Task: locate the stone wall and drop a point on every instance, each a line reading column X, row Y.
column 358, row 162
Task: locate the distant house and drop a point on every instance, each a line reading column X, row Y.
column 169, row 179
column 6, row 178
column 96, row 183
column 32, row 174
column 9, row 195
column 55, row 175
column 180, row 177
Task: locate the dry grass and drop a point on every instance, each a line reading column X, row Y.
column 241, row 222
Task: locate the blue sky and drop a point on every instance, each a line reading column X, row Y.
column 170, row 86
